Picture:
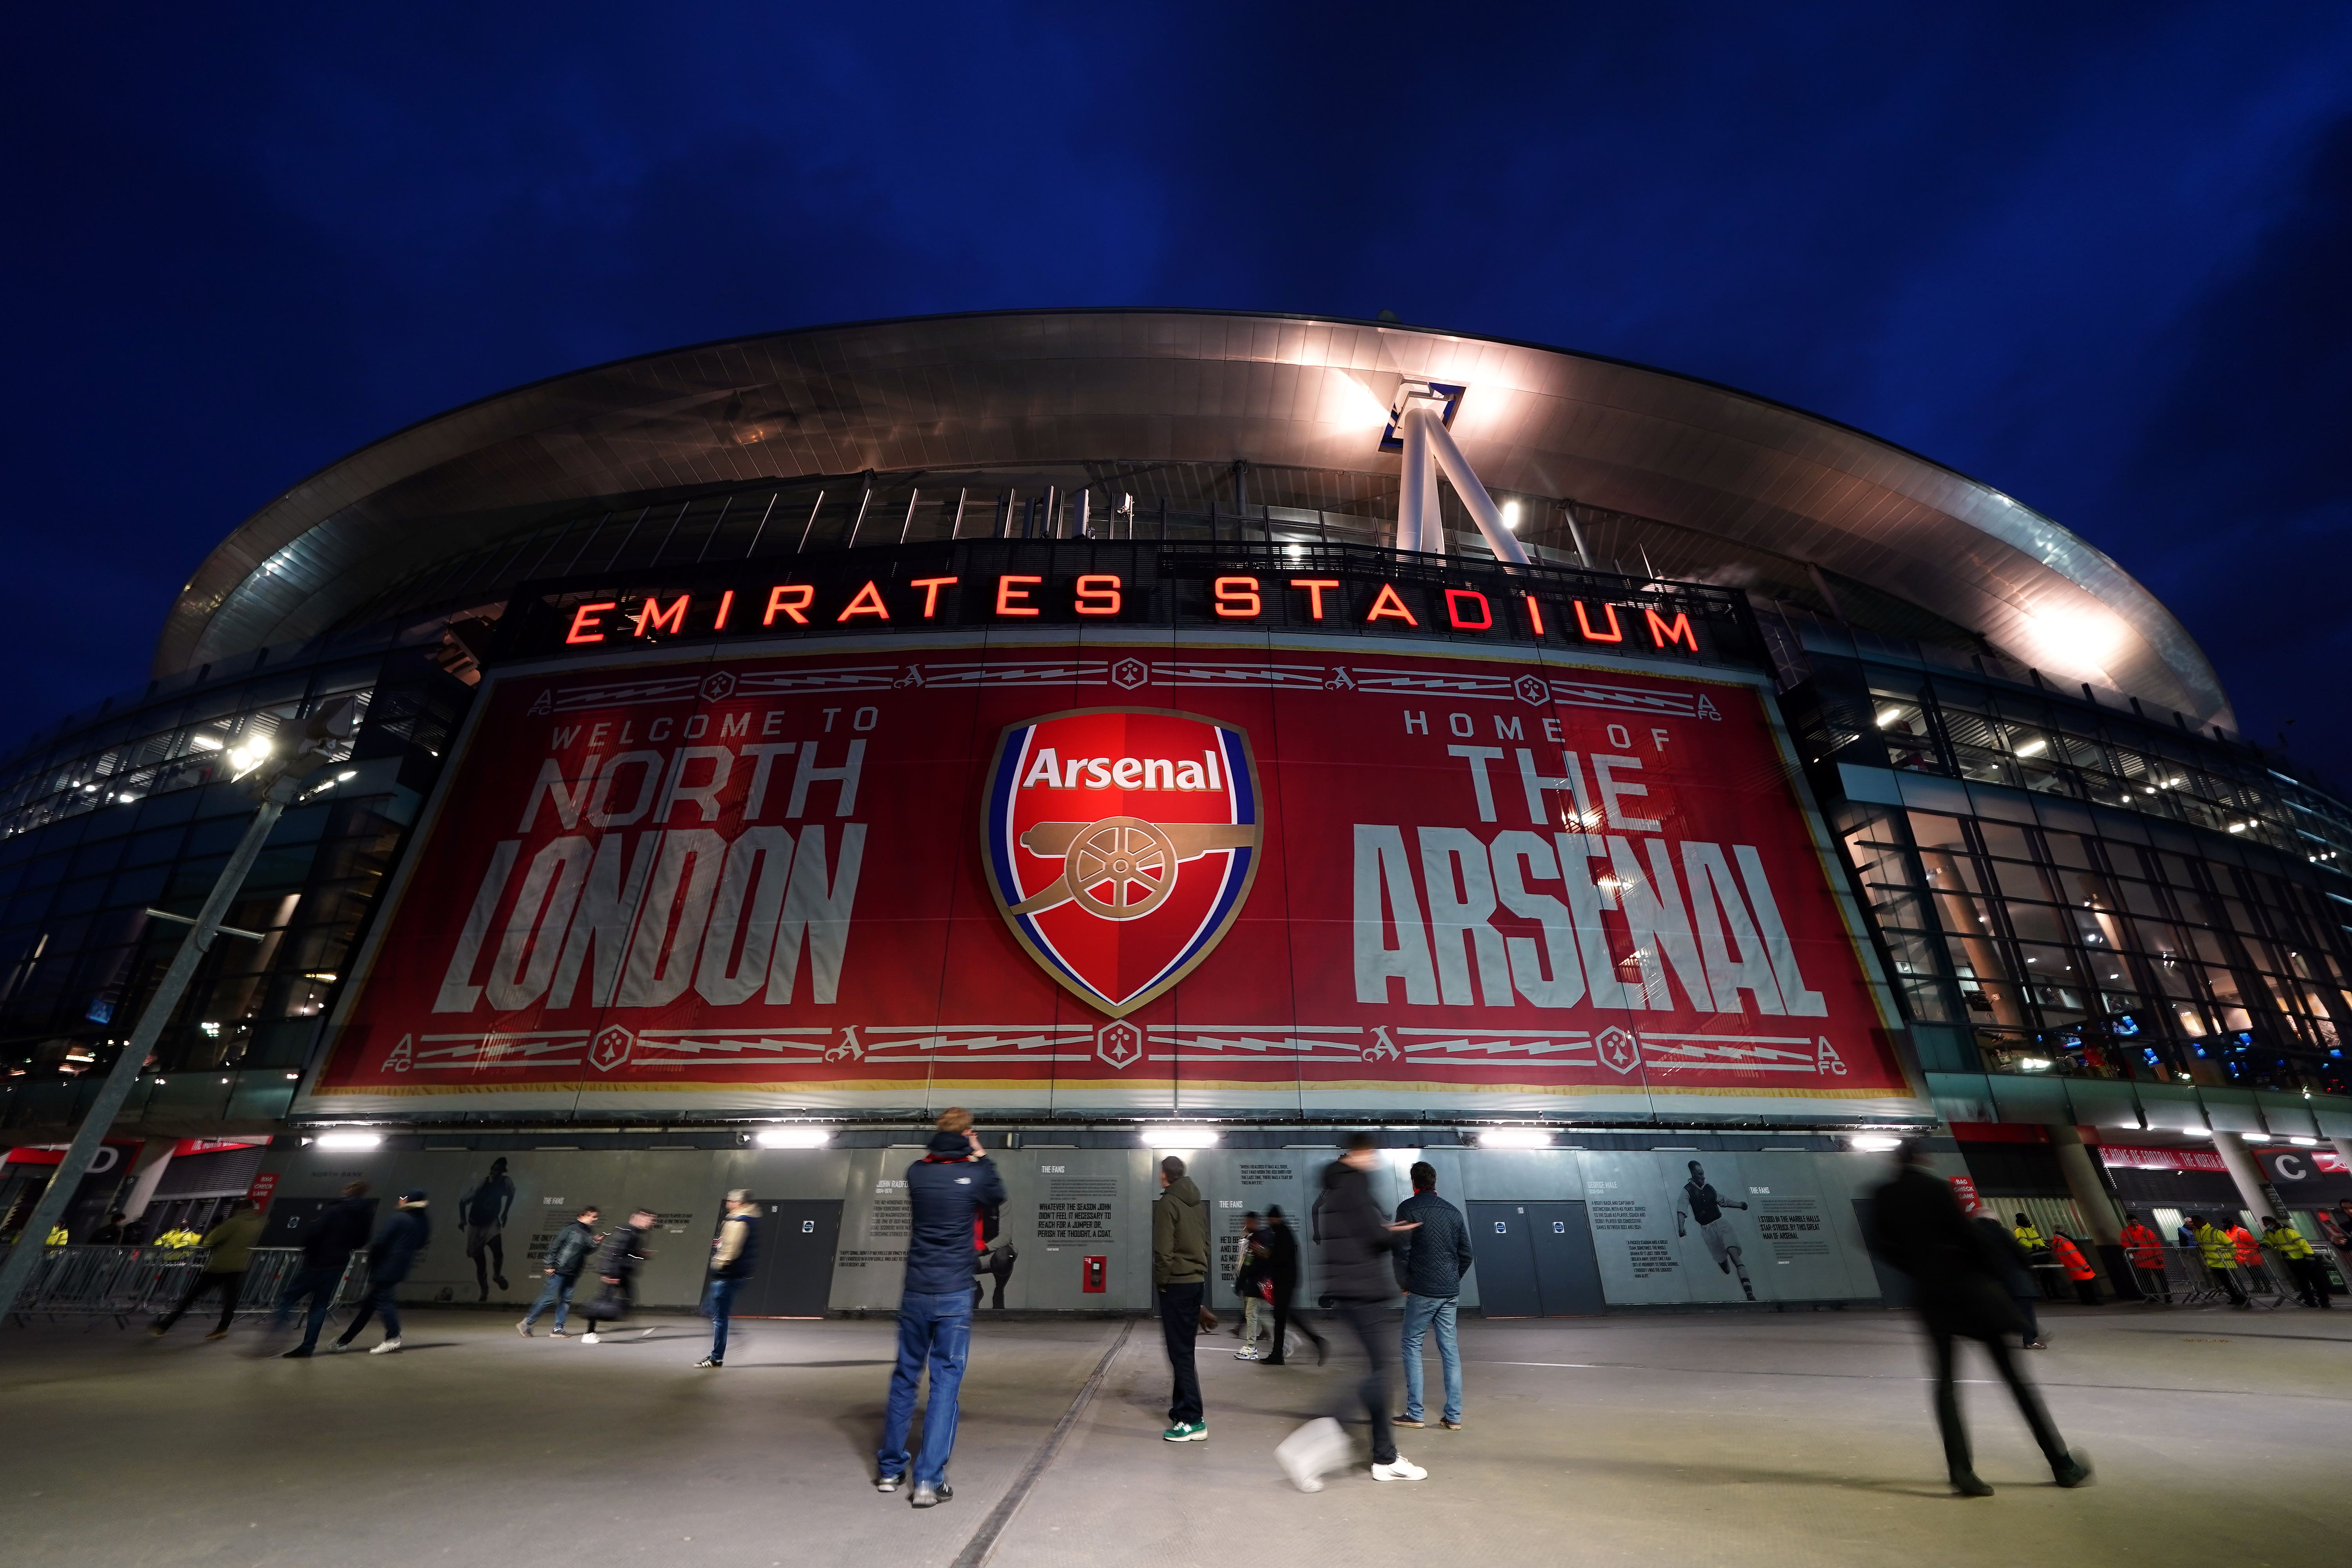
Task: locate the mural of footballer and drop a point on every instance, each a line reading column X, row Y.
column 1703, row 1206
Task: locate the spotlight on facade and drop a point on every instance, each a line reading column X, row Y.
column 792, row 1137
column 1180, row 1139
column 1873, row 1143
column 1513, row 1138
column 351, row 1142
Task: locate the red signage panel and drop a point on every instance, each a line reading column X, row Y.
column 1153, row 874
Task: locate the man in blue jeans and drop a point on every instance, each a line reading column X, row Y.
column 1431, row 1261
column 947, row 1189
column 734, row 1254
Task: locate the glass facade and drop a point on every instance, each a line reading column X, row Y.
column 131, row 812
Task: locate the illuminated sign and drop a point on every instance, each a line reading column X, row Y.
column 1118, row 871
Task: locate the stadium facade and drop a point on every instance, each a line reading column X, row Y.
column 1159, row 729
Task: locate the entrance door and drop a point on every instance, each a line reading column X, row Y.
column 793, row 1277
column 1567, row 1275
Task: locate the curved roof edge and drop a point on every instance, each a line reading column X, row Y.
column 1140, row 382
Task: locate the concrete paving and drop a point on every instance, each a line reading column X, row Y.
column 1684, row 1440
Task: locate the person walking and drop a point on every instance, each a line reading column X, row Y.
column 2295, row 1255
column 110, row 1233
column 1282, row 1274
column 2144, row 1250
column 1918, row 1229
column 1249, row 1285
column 391, row 1256
column 617, row 1262
column 1360, row 1282
column 567, row 1254
column 2220, row 1255
column 328, row 1242
column 947, row 1191
column 2016, row 1276
column 2078, row 1269
column 228, row 1252
column 734, row 1253
column 1430, row 1262
column 1179, row 1278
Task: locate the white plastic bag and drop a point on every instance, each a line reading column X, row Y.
column 1312, row 1452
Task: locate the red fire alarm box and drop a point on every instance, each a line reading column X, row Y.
column 1097, row 1270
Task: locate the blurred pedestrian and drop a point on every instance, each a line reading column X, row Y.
column 2296, row 1256
column 617, row 1262
column 110, row 1233
column 334, row 1233
column 567, row 1255
column 391, row 1256
column 2016, row 1276
column 2144, row 1250
column 1282, row 1275
column 1360, row 1282
column 2220, row 1255
column 2069, row 1256
column 947, row 1191
column 229, row 1252
column 1249, row 1287
column 1179, row 1278
column 1918, row 1228
column 1431, row 1262
column 734, row 1254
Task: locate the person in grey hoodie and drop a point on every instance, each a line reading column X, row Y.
column 1430, row 1262
column 1179, row 1273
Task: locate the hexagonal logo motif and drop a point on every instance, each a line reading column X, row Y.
column 1119, row 1044
column 610, row 1049
column 719, row 687
column 1120, row 844
column 1618, row 1050
column 1129, row 673
column 1533, row 689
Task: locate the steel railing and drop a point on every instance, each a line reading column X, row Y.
column 95, row 1283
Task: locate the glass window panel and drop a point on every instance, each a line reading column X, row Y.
column 2071, row 850
column 2036, row 922
column 1933, row 830
column 1964, row 916
column 1948, row 872
column 2020, row 882
column 2003, row 839
column 2141, row 899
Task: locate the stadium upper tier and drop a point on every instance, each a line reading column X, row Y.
column 1112, row 419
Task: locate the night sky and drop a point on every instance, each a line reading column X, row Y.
column 2095, row 255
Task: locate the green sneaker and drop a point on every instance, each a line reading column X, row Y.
column 1186, row 1432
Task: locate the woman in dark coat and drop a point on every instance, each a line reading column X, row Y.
column 1955, row 1279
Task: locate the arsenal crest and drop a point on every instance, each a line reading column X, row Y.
column 1120, row 843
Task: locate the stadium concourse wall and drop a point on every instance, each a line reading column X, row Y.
column 1800, row 1236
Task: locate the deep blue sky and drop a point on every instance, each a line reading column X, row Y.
column 2095, row 255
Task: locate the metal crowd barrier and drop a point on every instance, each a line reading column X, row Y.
column 2269, row 1283
column 126, row 1282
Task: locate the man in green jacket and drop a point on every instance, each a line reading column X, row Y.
column 228, row 1251
column 1179, row 1273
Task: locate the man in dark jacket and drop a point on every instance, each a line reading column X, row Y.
column 328, row 1242
column 1361, row 1283
column 391, row 1256
column 1918, row 1228
column 1430, row 1262
column 567, row 1254
column 947, row 1191
column 1179, row 1276
column 617, row 1262
column 1282, row 1274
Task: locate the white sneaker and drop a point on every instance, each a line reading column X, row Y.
column 1247, row 1352
column 1307, row 1453
column 590, row 1338
column 523, row 1328
column 1399, row 1470
column 389, row 1347
column 645, row 1333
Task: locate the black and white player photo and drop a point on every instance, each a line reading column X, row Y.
column 1702, row 1206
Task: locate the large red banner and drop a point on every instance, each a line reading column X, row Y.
column 1163, row 874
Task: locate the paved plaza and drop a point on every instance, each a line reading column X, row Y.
column 1677, row 1440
